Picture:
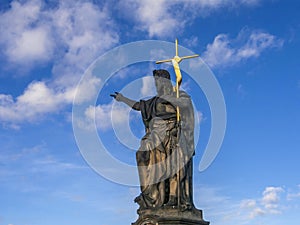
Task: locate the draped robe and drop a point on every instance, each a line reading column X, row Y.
column 166, row 150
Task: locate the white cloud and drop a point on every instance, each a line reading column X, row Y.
column 256, row 212
column 41, row 98
column 85, row 91
column 70, row 196
column 271, row 197
column 163, row 18
column 102, row 112
column 225, row 52
column 268, row 204
column 152, row 16
column 219, row 208
column 72, row 34
column 148, row 86
column 84, row 32
column 257, row 42
column 251, row 208
column 24, row 37
column 294, row 195
column 103, row 116
column 241, row 90
column 50, row 164
column 210, row 195
column 248, row 203
column 191, row 42
column 225, row 209
column 33, row 160
column 33, row 44
column 219, row 51
column 36, row 100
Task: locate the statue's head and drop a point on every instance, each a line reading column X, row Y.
column 161, row 73
column 163, row 82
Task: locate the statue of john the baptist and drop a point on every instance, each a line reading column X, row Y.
column 164, row 157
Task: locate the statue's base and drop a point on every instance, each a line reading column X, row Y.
column 170, row 215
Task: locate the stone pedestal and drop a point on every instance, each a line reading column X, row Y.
column 170, row 215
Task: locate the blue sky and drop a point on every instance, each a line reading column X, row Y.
column 252, row 48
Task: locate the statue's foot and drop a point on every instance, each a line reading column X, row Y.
column 172, row 201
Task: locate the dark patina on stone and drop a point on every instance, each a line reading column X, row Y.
column 170, row 215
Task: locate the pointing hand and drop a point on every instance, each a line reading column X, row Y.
column 118, row 96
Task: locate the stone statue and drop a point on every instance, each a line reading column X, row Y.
column 164, row 158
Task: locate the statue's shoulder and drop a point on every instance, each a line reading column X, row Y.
column 148, row 102
column 149, row 99
column 184, row 94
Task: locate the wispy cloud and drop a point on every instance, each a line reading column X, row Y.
column 70, row 196
column 191, row 42
column 163, row 18
column 103, row 116
column 50, row 164
column 294, row 195
column 71, row 35
column 148, row 87
column 249, row 44
column 271, row 199
column 154, row 17
column 36, row 100
column 241, row 90
column 228, row 209
column 268, row 204
column 34, row 160
column 24, row 36
column 84, row 31
column 41, row 98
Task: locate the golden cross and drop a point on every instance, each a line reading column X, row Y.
column 175, row 61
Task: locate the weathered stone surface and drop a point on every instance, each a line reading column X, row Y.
column 170, row 215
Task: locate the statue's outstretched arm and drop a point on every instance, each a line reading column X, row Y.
column 131, row 103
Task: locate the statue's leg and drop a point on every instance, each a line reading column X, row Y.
column 173, row 191
column 172, row 166
column 162, row 193
column 151, row 172
column 187, row 191
column 190, row 182
column 143, row 160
